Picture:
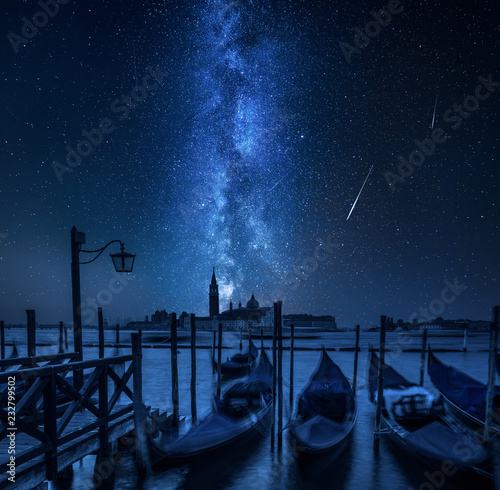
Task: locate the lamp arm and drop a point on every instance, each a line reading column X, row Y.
column 100, row 250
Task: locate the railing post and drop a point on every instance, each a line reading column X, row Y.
column 31, row 340
column 103, row 407
column 61, row 327
column 100, row 322
column 50, row 425
column 139, row 408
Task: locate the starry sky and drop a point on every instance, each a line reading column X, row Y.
column 237, row 135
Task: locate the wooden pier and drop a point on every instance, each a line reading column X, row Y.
column 52, row 425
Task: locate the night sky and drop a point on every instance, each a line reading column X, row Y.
column 240, row 140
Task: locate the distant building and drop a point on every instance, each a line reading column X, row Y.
column 326, row 322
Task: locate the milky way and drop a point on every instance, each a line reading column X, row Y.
column 239, row 148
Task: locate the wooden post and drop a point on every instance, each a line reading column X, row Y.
column 66, row 342
column 2, row 339
column 249, row 346
column 61, row 340
column 193, row 369
column 273, row 413
column 31, row 341
column 213, row 352
column 422, row 357
column 101, row 331
column 103, row 407
column 219, row 360
column 491, row 373
column 356, row 355
column 139, row 408
column 50, row 426
column 175, row 375
column 117, row 335
column 261, row 338
column 292, row 342
column 380, row 387
column 280, row 377
column 466, row 330
column 241, row 339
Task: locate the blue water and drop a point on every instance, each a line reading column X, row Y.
column 254, row 466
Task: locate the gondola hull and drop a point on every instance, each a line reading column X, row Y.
column 325, row 417
column 455, row 405
column 162, row 457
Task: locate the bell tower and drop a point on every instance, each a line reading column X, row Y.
column 213, row 297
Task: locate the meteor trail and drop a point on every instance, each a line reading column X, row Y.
column 434, row 115
column 279, row 181
column 359, row 193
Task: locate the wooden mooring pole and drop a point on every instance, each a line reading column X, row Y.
column 261, row 338
column 422, row 357
column 280, row 376
column 356, row 355
column 273, row 413
column 213, row 352
column 249, row 346
column 241, row 339
column 491, row 374
column 2, row 339
column 491, row 407
column 61, row 339
column 100, row 323
column 117, row 335
column 141, row 455
column 292, row 345
column 194, row 416
column 380, row 387
column 175, row 373
column 66, row 342
column 31, row 340
column 466, row 331
column 219, row 360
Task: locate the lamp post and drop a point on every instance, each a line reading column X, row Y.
column 123, row 262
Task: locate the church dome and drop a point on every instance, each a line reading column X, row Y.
column 252, row 303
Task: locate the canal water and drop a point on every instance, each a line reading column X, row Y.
column 254, row 466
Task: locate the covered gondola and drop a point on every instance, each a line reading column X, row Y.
column 240, row 363
column 416, row 422
column 243, row 412
column 325, row 416
column 465, row 396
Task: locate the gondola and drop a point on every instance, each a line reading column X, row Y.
column 239, row 364
column 465, row 397
column 415, row 421
column 242, row 413
column 325, row 416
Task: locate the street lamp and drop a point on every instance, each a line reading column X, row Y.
column 122, row 261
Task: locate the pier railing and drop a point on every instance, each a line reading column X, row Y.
column 39, row 418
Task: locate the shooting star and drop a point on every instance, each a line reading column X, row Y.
column 279, row 181
column 359, row 193
column 434, row 115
